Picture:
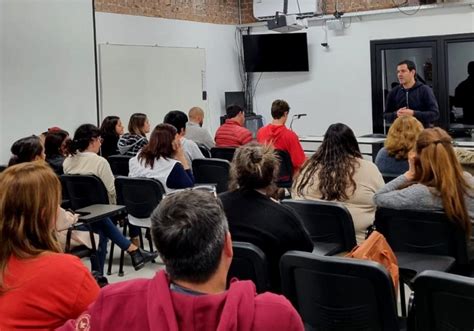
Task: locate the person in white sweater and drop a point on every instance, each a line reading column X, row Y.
column 84, row 160
column 337, row 172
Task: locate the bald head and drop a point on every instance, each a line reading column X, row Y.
column 196, row 115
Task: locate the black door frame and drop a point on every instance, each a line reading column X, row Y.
column 439, row 45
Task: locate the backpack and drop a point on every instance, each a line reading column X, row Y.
column 376, row 248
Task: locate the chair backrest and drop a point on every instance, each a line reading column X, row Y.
column 326, row 222
column 212, row 171
column 389, row 177
column 119, row 164
column 334, row 293
column 204, row 150
column 2, row 167
column 249, row 263
column 139, row 195
column 422, row 232
column 225, row 153
column 84, row 190
column 285, row 176
column 444, row 302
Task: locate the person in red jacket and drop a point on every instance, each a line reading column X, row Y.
column 40, row 287
column 232, row 133
column 191, row 231
column 277, row 134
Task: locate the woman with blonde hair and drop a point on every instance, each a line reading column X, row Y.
column 434, row 181
column 337, row 172
column 40, row 288
column 401, row 139
column 255, row 217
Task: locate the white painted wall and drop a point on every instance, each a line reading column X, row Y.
column 47, row 67
column 222, row 73
column 338, row 86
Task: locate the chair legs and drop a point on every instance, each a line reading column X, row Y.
column 402, row 298
column 111, row 258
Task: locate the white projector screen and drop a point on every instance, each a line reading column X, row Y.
column 151, row 80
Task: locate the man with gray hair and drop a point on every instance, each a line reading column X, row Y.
column 191, row 233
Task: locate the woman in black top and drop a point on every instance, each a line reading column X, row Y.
column 110, row 131
column 54, row 144
column 255, row 217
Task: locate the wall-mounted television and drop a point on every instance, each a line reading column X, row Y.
column 275, row 52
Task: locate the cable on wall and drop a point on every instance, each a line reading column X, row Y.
column 399, row 7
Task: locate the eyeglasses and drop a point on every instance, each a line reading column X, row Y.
column 99, row 138
column 211, row 188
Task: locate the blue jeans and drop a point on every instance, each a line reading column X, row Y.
column 106, row 229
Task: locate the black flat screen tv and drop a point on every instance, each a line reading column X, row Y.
column 275, row 52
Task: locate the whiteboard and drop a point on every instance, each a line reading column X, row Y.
column 151, row 80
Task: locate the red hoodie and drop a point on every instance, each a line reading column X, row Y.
column 285, row 140
column 149, row 304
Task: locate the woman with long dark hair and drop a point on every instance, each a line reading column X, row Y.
column 337, row 172
column 163, row 159
column 434, row 181
column 110, row 131
column 54, row 145
column 40, row 288
column 133, row 141
column 83, row 160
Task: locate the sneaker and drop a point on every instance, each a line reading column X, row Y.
column 140, row 257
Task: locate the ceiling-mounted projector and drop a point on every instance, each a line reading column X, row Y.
column 286, row 23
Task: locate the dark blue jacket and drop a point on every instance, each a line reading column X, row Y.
column 419, row 98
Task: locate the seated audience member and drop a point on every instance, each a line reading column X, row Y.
column 54, row 145
column 40, row 288
column 163, row 159
column 195, row 131
column 110, row 131
column 83, row 160
column 26, row 150
column 178, row 119
column 337, row 172
column 192, row 234
column 233, row 133
column 277, row 134
column 434, row 181
column 255, row 217
column 131, row 142
column 401, row 139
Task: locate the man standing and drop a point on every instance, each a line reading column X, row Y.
column 195, row 131
column 280, row 136
column 411, row 98
column 178, row 119
column 191, row 232
column 233, row 133
column 464, row 96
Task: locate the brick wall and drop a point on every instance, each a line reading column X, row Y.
column 226, row 11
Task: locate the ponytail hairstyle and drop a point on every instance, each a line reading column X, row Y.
column 436, row 166
column 26, row 150
column 82, row 138
column 254, row 166
column 333, row 163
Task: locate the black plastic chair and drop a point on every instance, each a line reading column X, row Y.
column 389, row 177
column 339, row 294
column 212, row 171
column 225, row 153
column 2, row 167
column 329, row 224
column 249, row 263
column 443, row 302
column 285, row 176
column 119, row 164
column 141, row 196
column 421, row 240
column 89, row 190
column 204, row 150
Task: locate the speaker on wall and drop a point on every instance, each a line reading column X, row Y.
column 235, row 98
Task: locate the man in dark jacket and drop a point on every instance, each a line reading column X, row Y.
column 464, row 95
column 411, row 98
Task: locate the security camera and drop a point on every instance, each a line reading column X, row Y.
column 325, row 45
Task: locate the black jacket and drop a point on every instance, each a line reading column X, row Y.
column 419, row 98
column 272, row 227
